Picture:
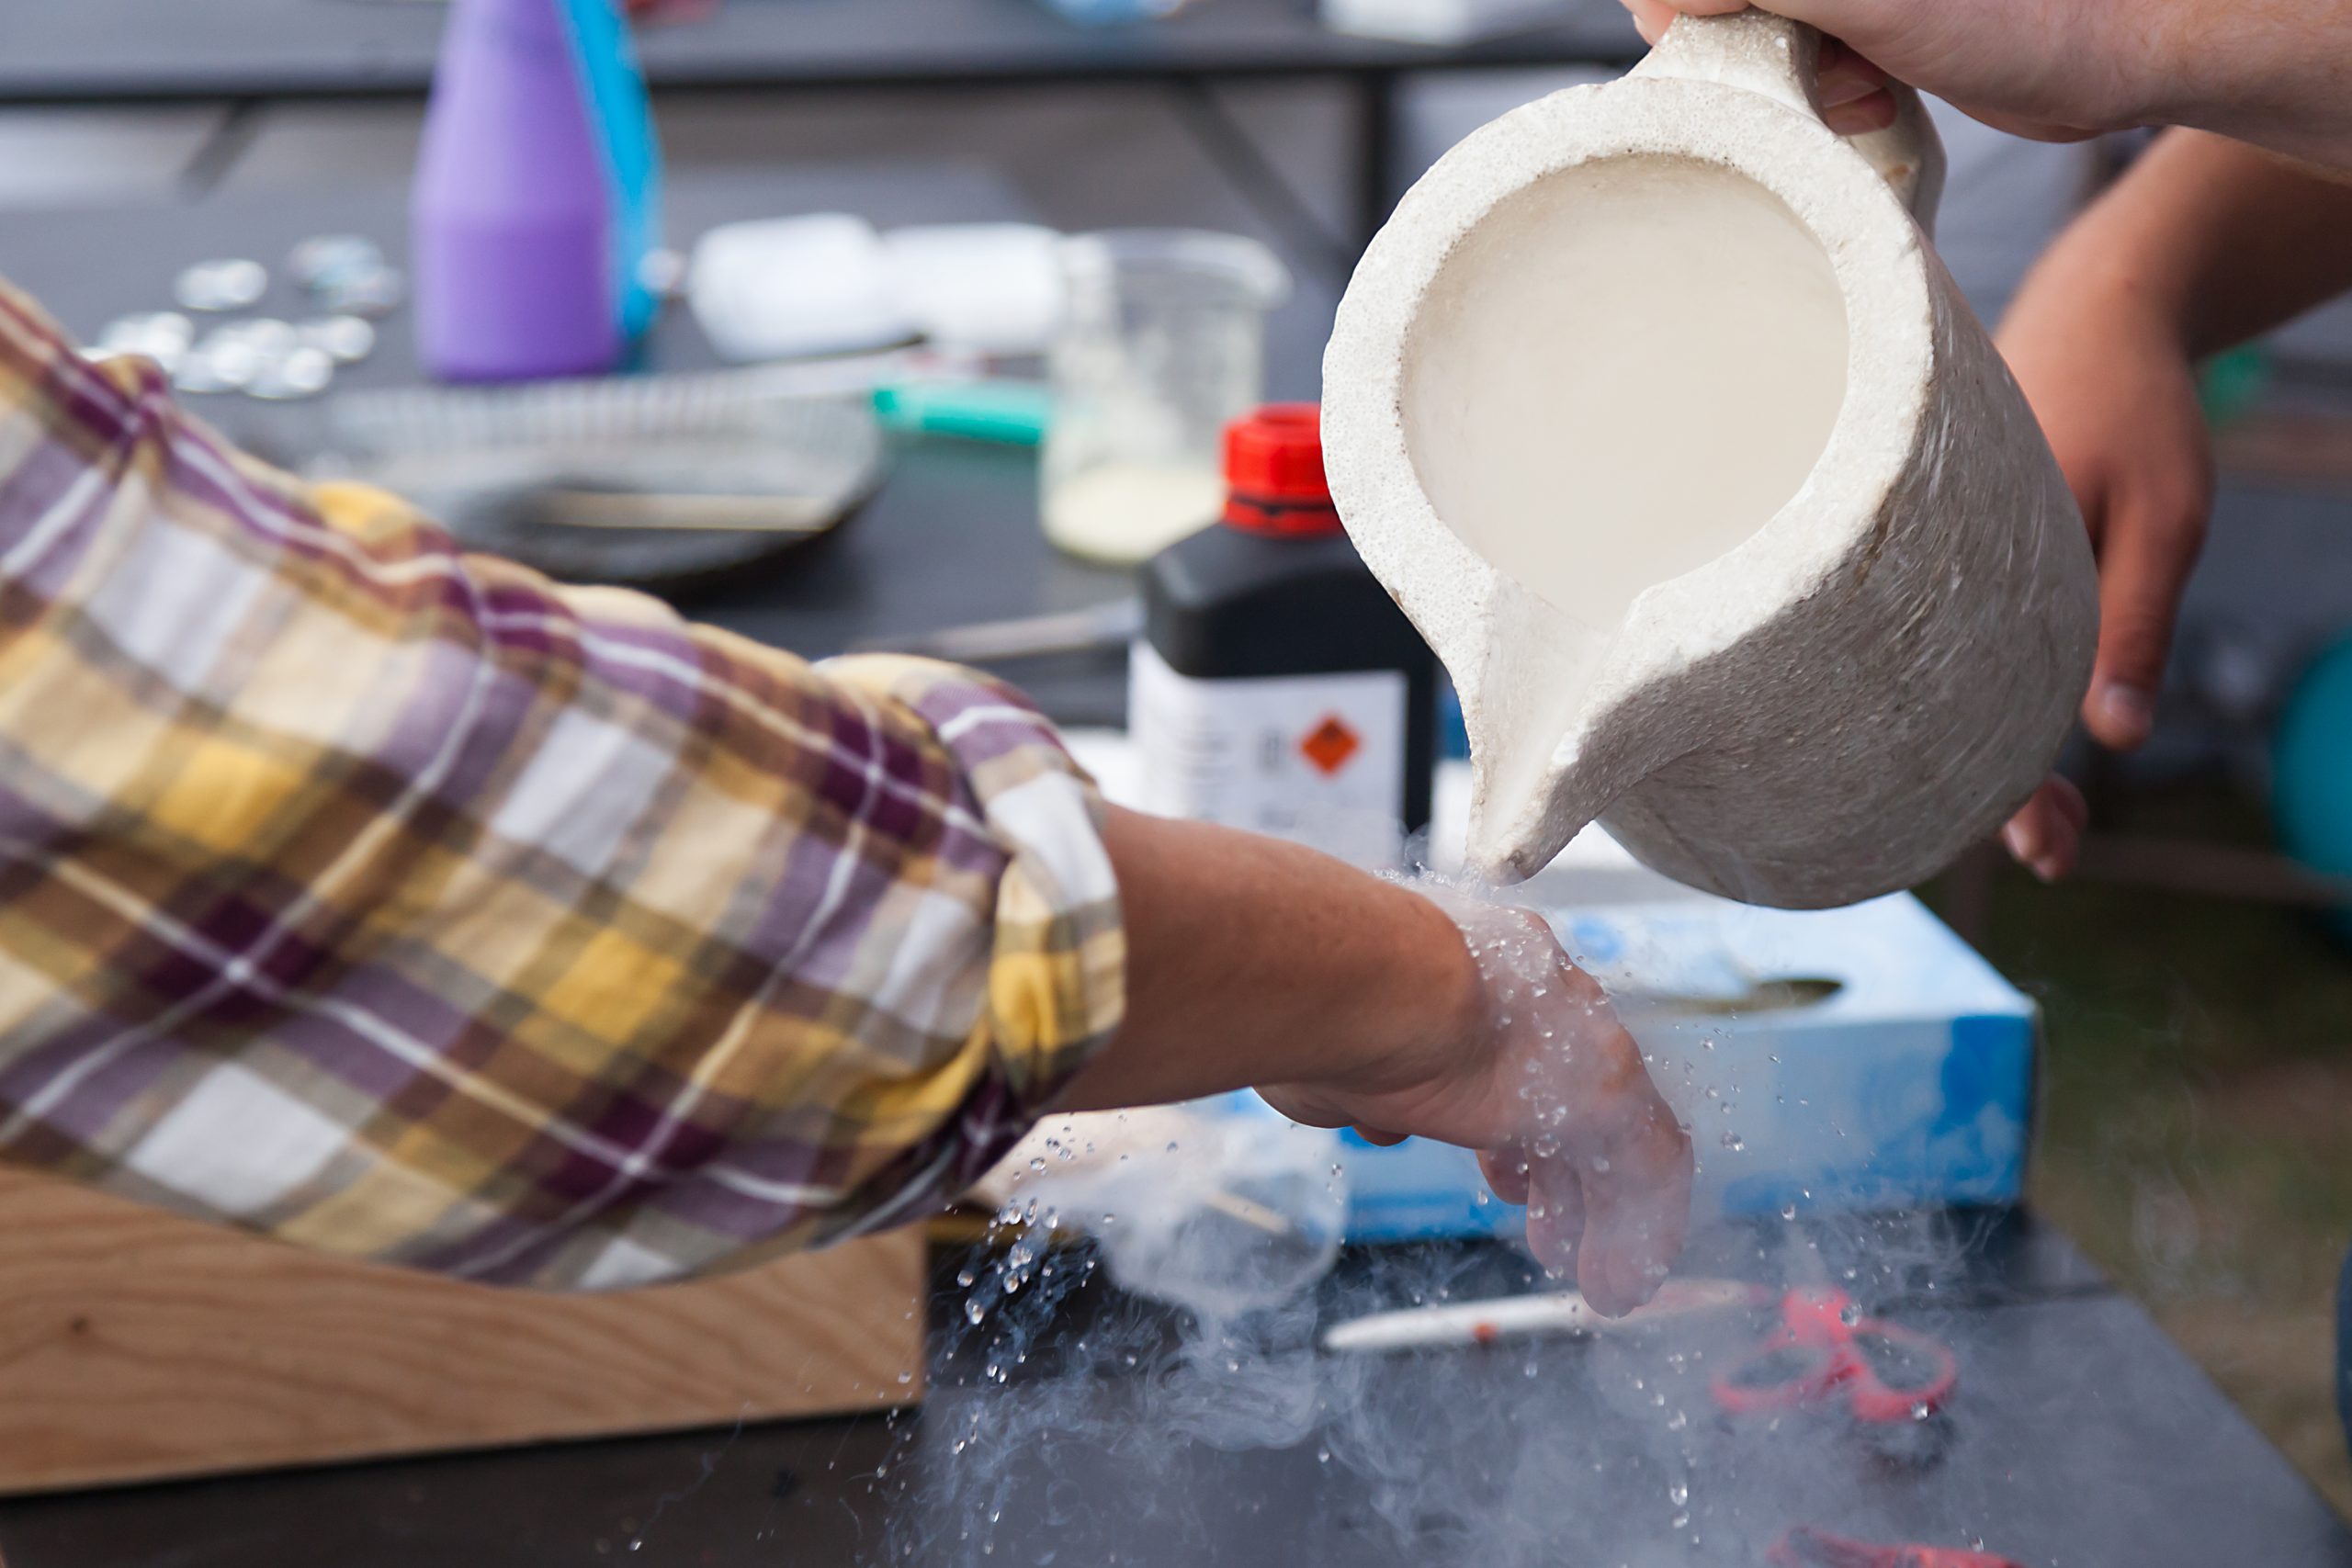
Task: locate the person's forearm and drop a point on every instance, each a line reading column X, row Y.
column 1250, row 961
column 2267, row 72
column 2273, row 72
column 454, row 918
column 1351, row 1002
column 2218, row 239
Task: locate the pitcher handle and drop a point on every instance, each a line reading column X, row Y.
column 1781, row 58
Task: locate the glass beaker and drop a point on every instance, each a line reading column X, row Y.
column 1162, row 343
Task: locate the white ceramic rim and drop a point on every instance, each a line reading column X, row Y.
column 1875, row 250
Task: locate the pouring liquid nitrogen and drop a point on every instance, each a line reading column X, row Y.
column 1655, row 409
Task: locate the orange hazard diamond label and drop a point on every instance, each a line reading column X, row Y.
column 1329, row 745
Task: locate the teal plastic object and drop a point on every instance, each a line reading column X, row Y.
column 624, row 112
column 2311, row 757
column 2231, row 384
column 1013, row 413
column 1113, row 13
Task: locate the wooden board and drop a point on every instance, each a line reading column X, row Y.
column 136, row 1344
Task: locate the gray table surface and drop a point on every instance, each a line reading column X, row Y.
column 88, row 50
column 951, row 538
column 2079, row 1436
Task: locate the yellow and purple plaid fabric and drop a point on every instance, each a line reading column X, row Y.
column 397, row 902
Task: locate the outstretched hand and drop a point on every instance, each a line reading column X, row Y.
column 1545, row 1081
column 1349, row 1001
column 2110, row 377
column 2052, row 69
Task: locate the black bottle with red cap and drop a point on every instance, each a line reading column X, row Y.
column 1277, row 686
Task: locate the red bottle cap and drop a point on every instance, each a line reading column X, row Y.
column 1274, row 472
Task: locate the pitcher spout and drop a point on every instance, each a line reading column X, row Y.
column 1500, row 852
column 1546, row 759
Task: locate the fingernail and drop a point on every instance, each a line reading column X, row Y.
column 2047, row 868
column 2022, row 845
column 2130, row 712
column 1871, row 111
column 1844, row 88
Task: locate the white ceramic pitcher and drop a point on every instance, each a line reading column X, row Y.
column 1654, row 408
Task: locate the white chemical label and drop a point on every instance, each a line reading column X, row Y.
column 1315, row 759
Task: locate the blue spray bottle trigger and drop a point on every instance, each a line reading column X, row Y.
column 624, row 114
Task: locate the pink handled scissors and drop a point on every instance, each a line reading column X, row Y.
column 1823, row 1349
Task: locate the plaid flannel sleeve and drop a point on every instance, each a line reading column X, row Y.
column 396, row 902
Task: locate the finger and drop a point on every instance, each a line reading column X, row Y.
column 1636, row 1214
column 1506, row 1172
column 1855, row 95
column 2032, row 129
column 2146, row 553
column 1843, row 75
column 1378, row 1138
column 2046, row 833
column 1634, row 1244
column 1653, row 16
column 2042, row 835
column 1556, row 1215
column 1304, row 1107
column 1873, row 109
column 2070, row 802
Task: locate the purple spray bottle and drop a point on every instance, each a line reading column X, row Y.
column 511, row 214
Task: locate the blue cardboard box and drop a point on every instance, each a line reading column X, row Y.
column 1855, row 1058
